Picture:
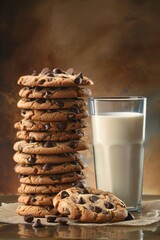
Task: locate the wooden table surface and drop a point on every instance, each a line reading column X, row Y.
column 18, row 231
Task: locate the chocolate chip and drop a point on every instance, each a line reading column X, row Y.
column 23, row 111
column 47, row 166
column 41, row 82
column 129, row 217
column 70, row 71
column 62, row 221
column 49, row 144
column 75, row 110
column 104, row 212
column 71, row 116
column 93, row 198
column 38, row 224
column 81, row 200
column 59, row 103
column 47, row 94
column 73, row 144
column 84, row 191
column 62, row 125
column 32, row 159
column 79, row 173
column 28, row 218
column 34, row 73
column 41, row 100
column 32, row 140
column 57, row 71
column 47, row 126
column 50, row 79
column 64, row 194
column 78, row 80
column 79, row 184
column 74, row 163
column 50, row 218
column 49, row 208
column 33, row 199
column 54, row 177
column 67, row 211
column 49, row 74
column 80, row 75
column 37, row 89
column 96, row 209
column 46, row 71
column 108, row 205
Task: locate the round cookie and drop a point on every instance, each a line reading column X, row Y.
column 50, row 147
column 48, row 168
column 42, row 103
column 45, row 189
column 29, row 125
column 31, row 159
column 43, row 92
column 48, row 78
column 90, row 205
column 52, row 179
column 54, row 115
column 37, row 199
column 36, row 211
column 50, row 136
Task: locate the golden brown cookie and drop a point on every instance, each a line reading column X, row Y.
column 48, row 168
column 50, row 147
column 55, row 78
column 52, row 178
column 36, row 211
column 50, row 136
column 30, row 125
column 37, row 199
column 55, row 115
column 32, row 159
column 43, row 92
column 90, row 205
column 45, row 189
column 42, row 103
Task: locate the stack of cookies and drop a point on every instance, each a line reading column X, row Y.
column 50, row 137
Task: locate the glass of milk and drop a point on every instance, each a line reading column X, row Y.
column 118, row 132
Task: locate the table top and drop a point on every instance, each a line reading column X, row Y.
column 18, row 231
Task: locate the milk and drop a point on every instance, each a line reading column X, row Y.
column 119, row 152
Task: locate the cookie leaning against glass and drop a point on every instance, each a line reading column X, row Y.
column 89, row 205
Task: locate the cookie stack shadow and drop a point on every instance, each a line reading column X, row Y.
column 50, row 137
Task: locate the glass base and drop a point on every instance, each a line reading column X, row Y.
column 135, row 209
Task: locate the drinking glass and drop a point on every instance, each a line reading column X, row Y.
column 118, row 133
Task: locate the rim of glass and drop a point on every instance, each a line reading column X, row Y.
column 117, row 98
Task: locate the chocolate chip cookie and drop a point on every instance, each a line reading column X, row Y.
column 45, row 189
column 90, row 205
column 50, row 147
column 37, row 199
column 32, row 159
column 42, row 103
column 43, row 92
column 48, row 78
column 29, row 125
column 36, row 211
column 48, row 168
column 55, row 115
column 52, row 178
column 50, row 136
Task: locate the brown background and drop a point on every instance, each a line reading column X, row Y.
column 116, row 43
